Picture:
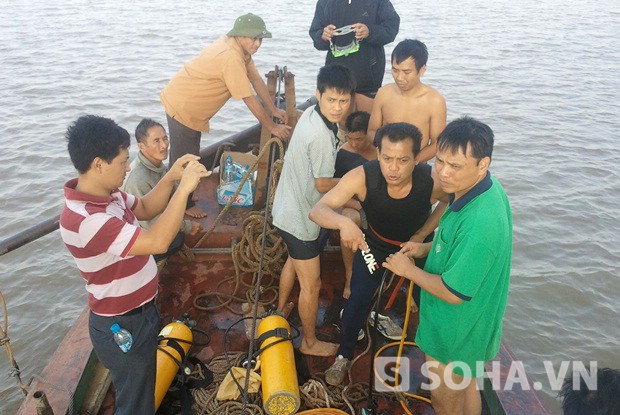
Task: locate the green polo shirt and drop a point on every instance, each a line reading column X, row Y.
column 471, row 252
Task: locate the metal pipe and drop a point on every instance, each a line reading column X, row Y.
column 28, row 235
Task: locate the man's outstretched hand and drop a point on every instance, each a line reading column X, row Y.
column 176, row 171
column 193, row 172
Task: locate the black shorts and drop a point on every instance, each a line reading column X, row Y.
column 301, row 250
column 370, row 93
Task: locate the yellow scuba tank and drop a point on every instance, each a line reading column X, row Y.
column 167, row 367
column 278, row 371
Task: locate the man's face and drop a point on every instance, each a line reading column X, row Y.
column 406, row 75
column 333, row 104
column 155, row 146
column 458, row 172
column 359, row 141
column 249, row 45
column 113, row 174
column 396, row 161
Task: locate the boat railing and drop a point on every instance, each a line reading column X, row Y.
column 241, row 141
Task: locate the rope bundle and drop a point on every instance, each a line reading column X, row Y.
column 246, row 254
column 316, row 396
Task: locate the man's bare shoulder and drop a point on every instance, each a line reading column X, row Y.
column 387, row 91
column 386, row 95
column 355, row 180
column 434, row 97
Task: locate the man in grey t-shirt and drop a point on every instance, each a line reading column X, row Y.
column 308, row 173
column 147, row 169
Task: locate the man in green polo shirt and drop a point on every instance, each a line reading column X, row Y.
column 467, row 273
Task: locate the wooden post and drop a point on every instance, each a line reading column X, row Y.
column 263, row 164
column 291, row 102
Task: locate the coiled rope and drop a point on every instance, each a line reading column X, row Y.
column 316, row 396
column 247, row 252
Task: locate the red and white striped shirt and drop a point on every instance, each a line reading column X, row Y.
column 99, row 232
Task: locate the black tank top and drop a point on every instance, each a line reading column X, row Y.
column 347, row 161
column 393, row 221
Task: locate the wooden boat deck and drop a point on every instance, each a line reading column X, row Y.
column 182, row 281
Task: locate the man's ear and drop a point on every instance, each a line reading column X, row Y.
column 422, row 70
column 140, row 146
column 483, row 165
column 97, row 164
column 318, row 94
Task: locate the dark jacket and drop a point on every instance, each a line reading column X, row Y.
column 368, row 64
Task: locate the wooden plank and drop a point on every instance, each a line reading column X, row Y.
column 291, row 101
column 96, row 391
column 64, row 370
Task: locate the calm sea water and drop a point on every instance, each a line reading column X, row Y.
column 544, row 75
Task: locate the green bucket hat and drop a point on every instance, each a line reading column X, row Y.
column 250, row 25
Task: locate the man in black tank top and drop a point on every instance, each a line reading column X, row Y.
column 397, row 195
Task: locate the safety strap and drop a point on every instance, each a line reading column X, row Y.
column 174, row 343
column 280, row 332
column 277, row 332
column 183, row 384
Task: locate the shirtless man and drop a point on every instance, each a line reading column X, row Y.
column 409, row 100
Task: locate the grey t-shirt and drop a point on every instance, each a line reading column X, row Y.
column 141, row 179
column 311, row 155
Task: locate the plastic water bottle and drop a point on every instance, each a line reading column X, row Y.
column 229, row 170
column 251, row 178
column 122, row 337
column 242, row 172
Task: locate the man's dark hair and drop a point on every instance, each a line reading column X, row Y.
column 142, row 130
column 92, row 136
column 357, row 121
column 604, row 400
column 335, row 77
column 466, row 130
column 410, row 48
column 399, row 131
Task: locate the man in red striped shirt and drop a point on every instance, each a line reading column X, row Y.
column 99, row 225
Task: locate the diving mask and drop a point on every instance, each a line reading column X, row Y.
column 345, row 50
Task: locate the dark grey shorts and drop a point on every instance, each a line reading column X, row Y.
column 301, row 250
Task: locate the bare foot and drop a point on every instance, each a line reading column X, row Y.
column 318, row 348
column 195, row 212
column 347, row 292
column 286, row 311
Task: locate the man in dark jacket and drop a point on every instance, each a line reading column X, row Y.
column 354, row 33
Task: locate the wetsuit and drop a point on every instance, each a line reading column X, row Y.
column 367, row 64
column 390, row 223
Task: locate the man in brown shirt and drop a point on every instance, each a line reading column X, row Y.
column 224, row 69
